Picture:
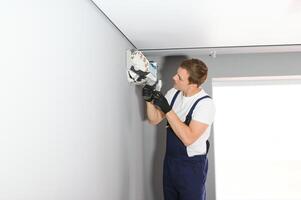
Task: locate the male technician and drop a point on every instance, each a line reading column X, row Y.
column 189, row 112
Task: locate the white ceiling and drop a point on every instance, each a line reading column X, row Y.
column 205, row 24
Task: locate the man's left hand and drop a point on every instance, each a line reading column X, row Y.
column 161, row 102
column 147, row 93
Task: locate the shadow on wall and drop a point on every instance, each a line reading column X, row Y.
column 141, row 102
column 168, row 69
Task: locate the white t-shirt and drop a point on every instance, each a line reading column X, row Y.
column 204, row 112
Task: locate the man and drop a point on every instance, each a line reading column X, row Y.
column 189, row 112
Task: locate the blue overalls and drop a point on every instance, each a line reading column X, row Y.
column 183, row 177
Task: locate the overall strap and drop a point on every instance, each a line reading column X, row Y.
column 174, row 98
column 172, row 103
column 189, row 117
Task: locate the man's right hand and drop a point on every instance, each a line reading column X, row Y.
column 147, row 93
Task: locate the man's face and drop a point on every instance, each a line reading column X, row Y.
column 181, row 79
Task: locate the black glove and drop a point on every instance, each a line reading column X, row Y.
column 161, row 102
column 147, row 93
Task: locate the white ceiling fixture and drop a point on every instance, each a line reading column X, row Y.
column 172, row 25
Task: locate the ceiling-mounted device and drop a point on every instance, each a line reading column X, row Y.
column 141, row 71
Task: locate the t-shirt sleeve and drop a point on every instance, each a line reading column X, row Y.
column 204, row 112
column 169, row 95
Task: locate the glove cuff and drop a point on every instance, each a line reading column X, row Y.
column 167, row 109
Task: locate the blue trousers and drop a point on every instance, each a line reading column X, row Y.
column 184, row 179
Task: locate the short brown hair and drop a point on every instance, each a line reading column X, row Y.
column 197, row 70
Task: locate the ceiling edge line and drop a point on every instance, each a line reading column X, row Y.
column 220, row 47
column 113, row 24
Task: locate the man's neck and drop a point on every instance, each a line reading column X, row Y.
column 191, row 91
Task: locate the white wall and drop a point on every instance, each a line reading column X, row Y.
column 234, row 65
column 70, row 124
